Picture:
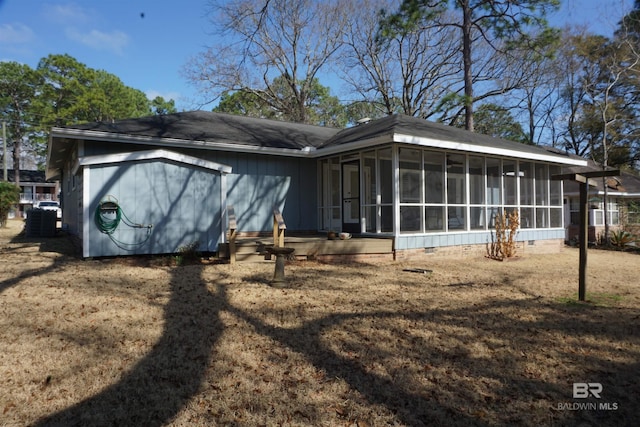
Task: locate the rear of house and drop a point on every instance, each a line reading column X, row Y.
column 429, row 187
column 622, row 207
column 34, row 189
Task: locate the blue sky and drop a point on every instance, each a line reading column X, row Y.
column 148, row 53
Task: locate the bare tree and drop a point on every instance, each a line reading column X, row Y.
column 536, row 98
column 262, row 40
column 624, row 62
column 576, row 66
column 495, row 23
column 410, row 72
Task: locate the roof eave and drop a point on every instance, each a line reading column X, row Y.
column 481, row 149
column 152, row 155
column 178, row 143
column 306, row 152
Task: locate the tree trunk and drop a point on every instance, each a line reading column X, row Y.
column 16, row 160
column 466, row 56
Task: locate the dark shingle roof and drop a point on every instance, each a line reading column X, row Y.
column 26, row 176
column 626, row 182
column 401, row 124
column 208, row 130
column 217, row 127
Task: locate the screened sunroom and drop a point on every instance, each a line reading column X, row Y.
column 428, row 196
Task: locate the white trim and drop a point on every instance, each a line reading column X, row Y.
column 86, row 215
column 472, row 148
column 364, row 144
column 395, row 162
column 152, row 155
column 609, row 193
column 223, row 208
column 183, row 143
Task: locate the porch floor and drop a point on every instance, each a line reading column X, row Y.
column 312, row 247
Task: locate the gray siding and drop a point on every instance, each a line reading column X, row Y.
column 71, row 191
column 256, row 184
column 182, row 202
column 475, row 238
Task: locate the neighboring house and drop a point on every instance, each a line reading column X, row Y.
column 623, row 194
column 428, row 186
column 34, row 188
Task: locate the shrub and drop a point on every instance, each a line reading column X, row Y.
column 621, row 238
column 9, row 196
column 188, row 253
column 503, row 244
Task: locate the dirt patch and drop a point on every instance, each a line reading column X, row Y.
column 473, row 342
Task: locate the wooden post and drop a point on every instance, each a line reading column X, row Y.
column 583, row 181
column 275, row 231
column 584, row 239
column 232, row 234
column 278, row 229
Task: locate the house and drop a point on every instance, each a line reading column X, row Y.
column 427, row 186
column 623, row 203
column 34, row 188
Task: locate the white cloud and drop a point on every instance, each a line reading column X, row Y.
column 15, row 34
column 66, row 14
column 114, row 41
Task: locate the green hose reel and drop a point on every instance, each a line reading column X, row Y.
column 108, row 217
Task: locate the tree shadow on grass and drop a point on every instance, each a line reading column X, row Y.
column 54, row 263
column 156, row 389
column 160, row 385
column 170, row 375
column 510, row 377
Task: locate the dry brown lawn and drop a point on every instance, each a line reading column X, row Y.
column 141, row 342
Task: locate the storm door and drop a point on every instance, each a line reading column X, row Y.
column 351, row 197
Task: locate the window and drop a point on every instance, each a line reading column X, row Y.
column 410, row 176
column 527, row 218
column 510, row 182
column 477, row 220
column 476, row 180
column 596, row 212
column 385, row 174
column 434, row 218
column 434, row 190
column 542, row 185
column 376, row 202
column 555, row 187
column 555, row 217
column 456, row 188
column 370, row 192
column 597, row 215
column 494, row 190
column 542, row 217
column 440, row 191
column 434, row 177
column 456, row 192
column 410, row 219
column 329, row 212
column 526, row 183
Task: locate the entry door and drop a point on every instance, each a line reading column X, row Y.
column 351, row 197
